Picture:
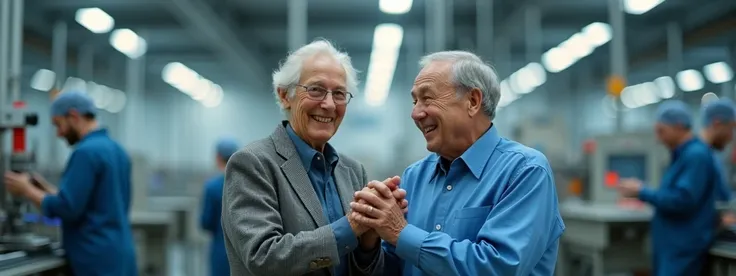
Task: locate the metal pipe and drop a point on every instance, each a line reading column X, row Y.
column 4, row 47
column 16, row 49
column 618, row 50
column 674, row 51
column 86, row 66
column 484, row 28
column 297, row 24
column 533, row 33
column 437, row 16
column 59, row 52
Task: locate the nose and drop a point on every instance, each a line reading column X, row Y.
column 417, row 113
column 328, row 102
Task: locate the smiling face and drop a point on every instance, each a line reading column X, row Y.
column 316, row 121
column 440, row 114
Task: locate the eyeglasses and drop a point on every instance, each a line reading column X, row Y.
column 319, row 93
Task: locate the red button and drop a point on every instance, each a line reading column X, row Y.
column 611, row 179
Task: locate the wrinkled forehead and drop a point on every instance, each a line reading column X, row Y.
column 435, row 75
column 323, row 70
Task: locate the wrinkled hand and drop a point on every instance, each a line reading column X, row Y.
column 368, row 236
column 17, row 183
column 382, row 214
column 629, row 187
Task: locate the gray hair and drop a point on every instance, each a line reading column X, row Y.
column 468, row 72
column 287, row 76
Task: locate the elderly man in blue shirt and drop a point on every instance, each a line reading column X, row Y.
column 93, row 199
column 210, row 220
column 479, row 204
column 684, row 221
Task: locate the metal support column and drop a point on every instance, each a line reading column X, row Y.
column 16, row 49
column 674, row 52
column 4, row 49
column 59, row 52
column 484, row 28
column 86, row 66
column 618, row 51
column 297, row 24
column 133, row 112
column 436, row 26
column 533, row 37
column 450, row 25
column 533, row 33
column 58, row 65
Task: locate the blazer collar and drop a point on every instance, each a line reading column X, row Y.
column 297, row 176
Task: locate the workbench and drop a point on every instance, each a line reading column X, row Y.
column 31, row 265
column 723, row 258
column 603, row 238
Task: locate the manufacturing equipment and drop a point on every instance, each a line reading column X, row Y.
column 604, row 233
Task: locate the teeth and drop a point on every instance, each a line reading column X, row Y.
column 322, row 119
column 428, row 129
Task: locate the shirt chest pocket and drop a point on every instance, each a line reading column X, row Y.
column 466, row 223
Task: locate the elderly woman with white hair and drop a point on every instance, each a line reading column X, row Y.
column 286, row 198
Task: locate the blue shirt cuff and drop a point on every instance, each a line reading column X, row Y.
column 47, row 204
column 410, row 243
column 344, row 235
column 646, row 194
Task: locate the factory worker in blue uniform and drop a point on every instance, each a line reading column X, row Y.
column 719, row 121
column 683, row 224
column 212, row 209
column 93, row 198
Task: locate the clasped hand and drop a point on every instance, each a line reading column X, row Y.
column 381, row 206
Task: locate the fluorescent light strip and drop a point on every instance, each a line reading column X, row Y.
column 192, row 84
column 387, row 40
column 395, row 6
column 95, row 20
column 128, row 43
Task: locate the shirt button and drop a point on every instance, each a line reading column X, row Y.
column 319, row 158
column 449, row 187
column 438, row 227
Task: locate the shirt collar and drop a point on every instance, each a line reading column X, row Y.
column 679, row 149
column 307, row 153
column 477, row 155
column 95, row 133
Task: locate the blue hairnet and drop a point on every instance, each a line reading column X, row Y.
column 674, row 112
column 226, row 147
column 67, row 101
column 721, row 110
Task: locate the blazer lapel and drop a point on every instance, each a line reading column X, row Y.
column 344, row 186
column 294, row 171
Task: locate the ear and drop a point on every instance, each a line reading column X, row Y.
column 284, row 97
column 475, row 101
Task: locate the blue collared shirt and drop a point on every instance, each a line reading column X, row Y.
column 320, row 169
column 685, row 216
column 210, row 221
column 492, row 211
column 723, row 191
column 93, row 204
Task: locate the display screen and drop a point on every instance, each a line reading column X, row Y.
column 628, row 166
